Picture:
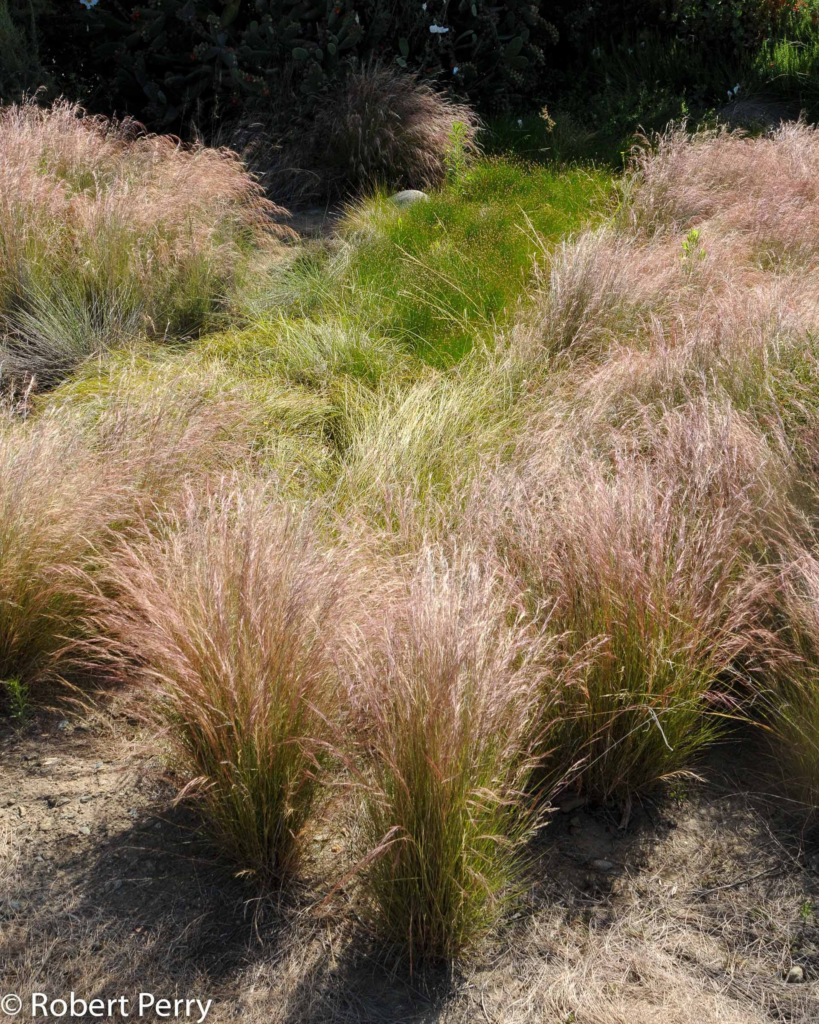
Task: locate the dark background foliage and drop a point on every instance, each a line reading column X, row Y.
column 171, row 60
column 210, row 63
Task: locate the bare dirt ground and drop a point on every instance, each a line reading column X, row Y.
column 697, row 911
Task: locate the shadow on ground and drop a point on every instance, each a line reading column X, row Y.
column 108, row 889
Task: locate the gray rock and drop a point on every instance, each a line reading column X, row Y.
column 85, row 830
column 408, row 197
column 602, row 865
column 796, row 976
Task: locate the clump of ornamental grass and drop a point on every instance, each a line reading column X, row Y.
column 786, row 692
column 383, row 127
column 227, row 618
column 56, row 501
column 107, row 232
column 752, row 347
column 389, row 127
column 421, row 445
column 586, row 291
column 639, row 567
column 446, row 691
column 763, row 188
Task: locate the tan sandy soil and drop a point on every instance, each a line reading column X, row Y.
column 708, row 899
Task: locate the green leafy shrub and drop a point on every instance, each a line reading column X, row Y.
column 43, row 47
column 639, row 65
column 174, row 58
column 787, row 63
column 20, row 67
column 728, row 24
